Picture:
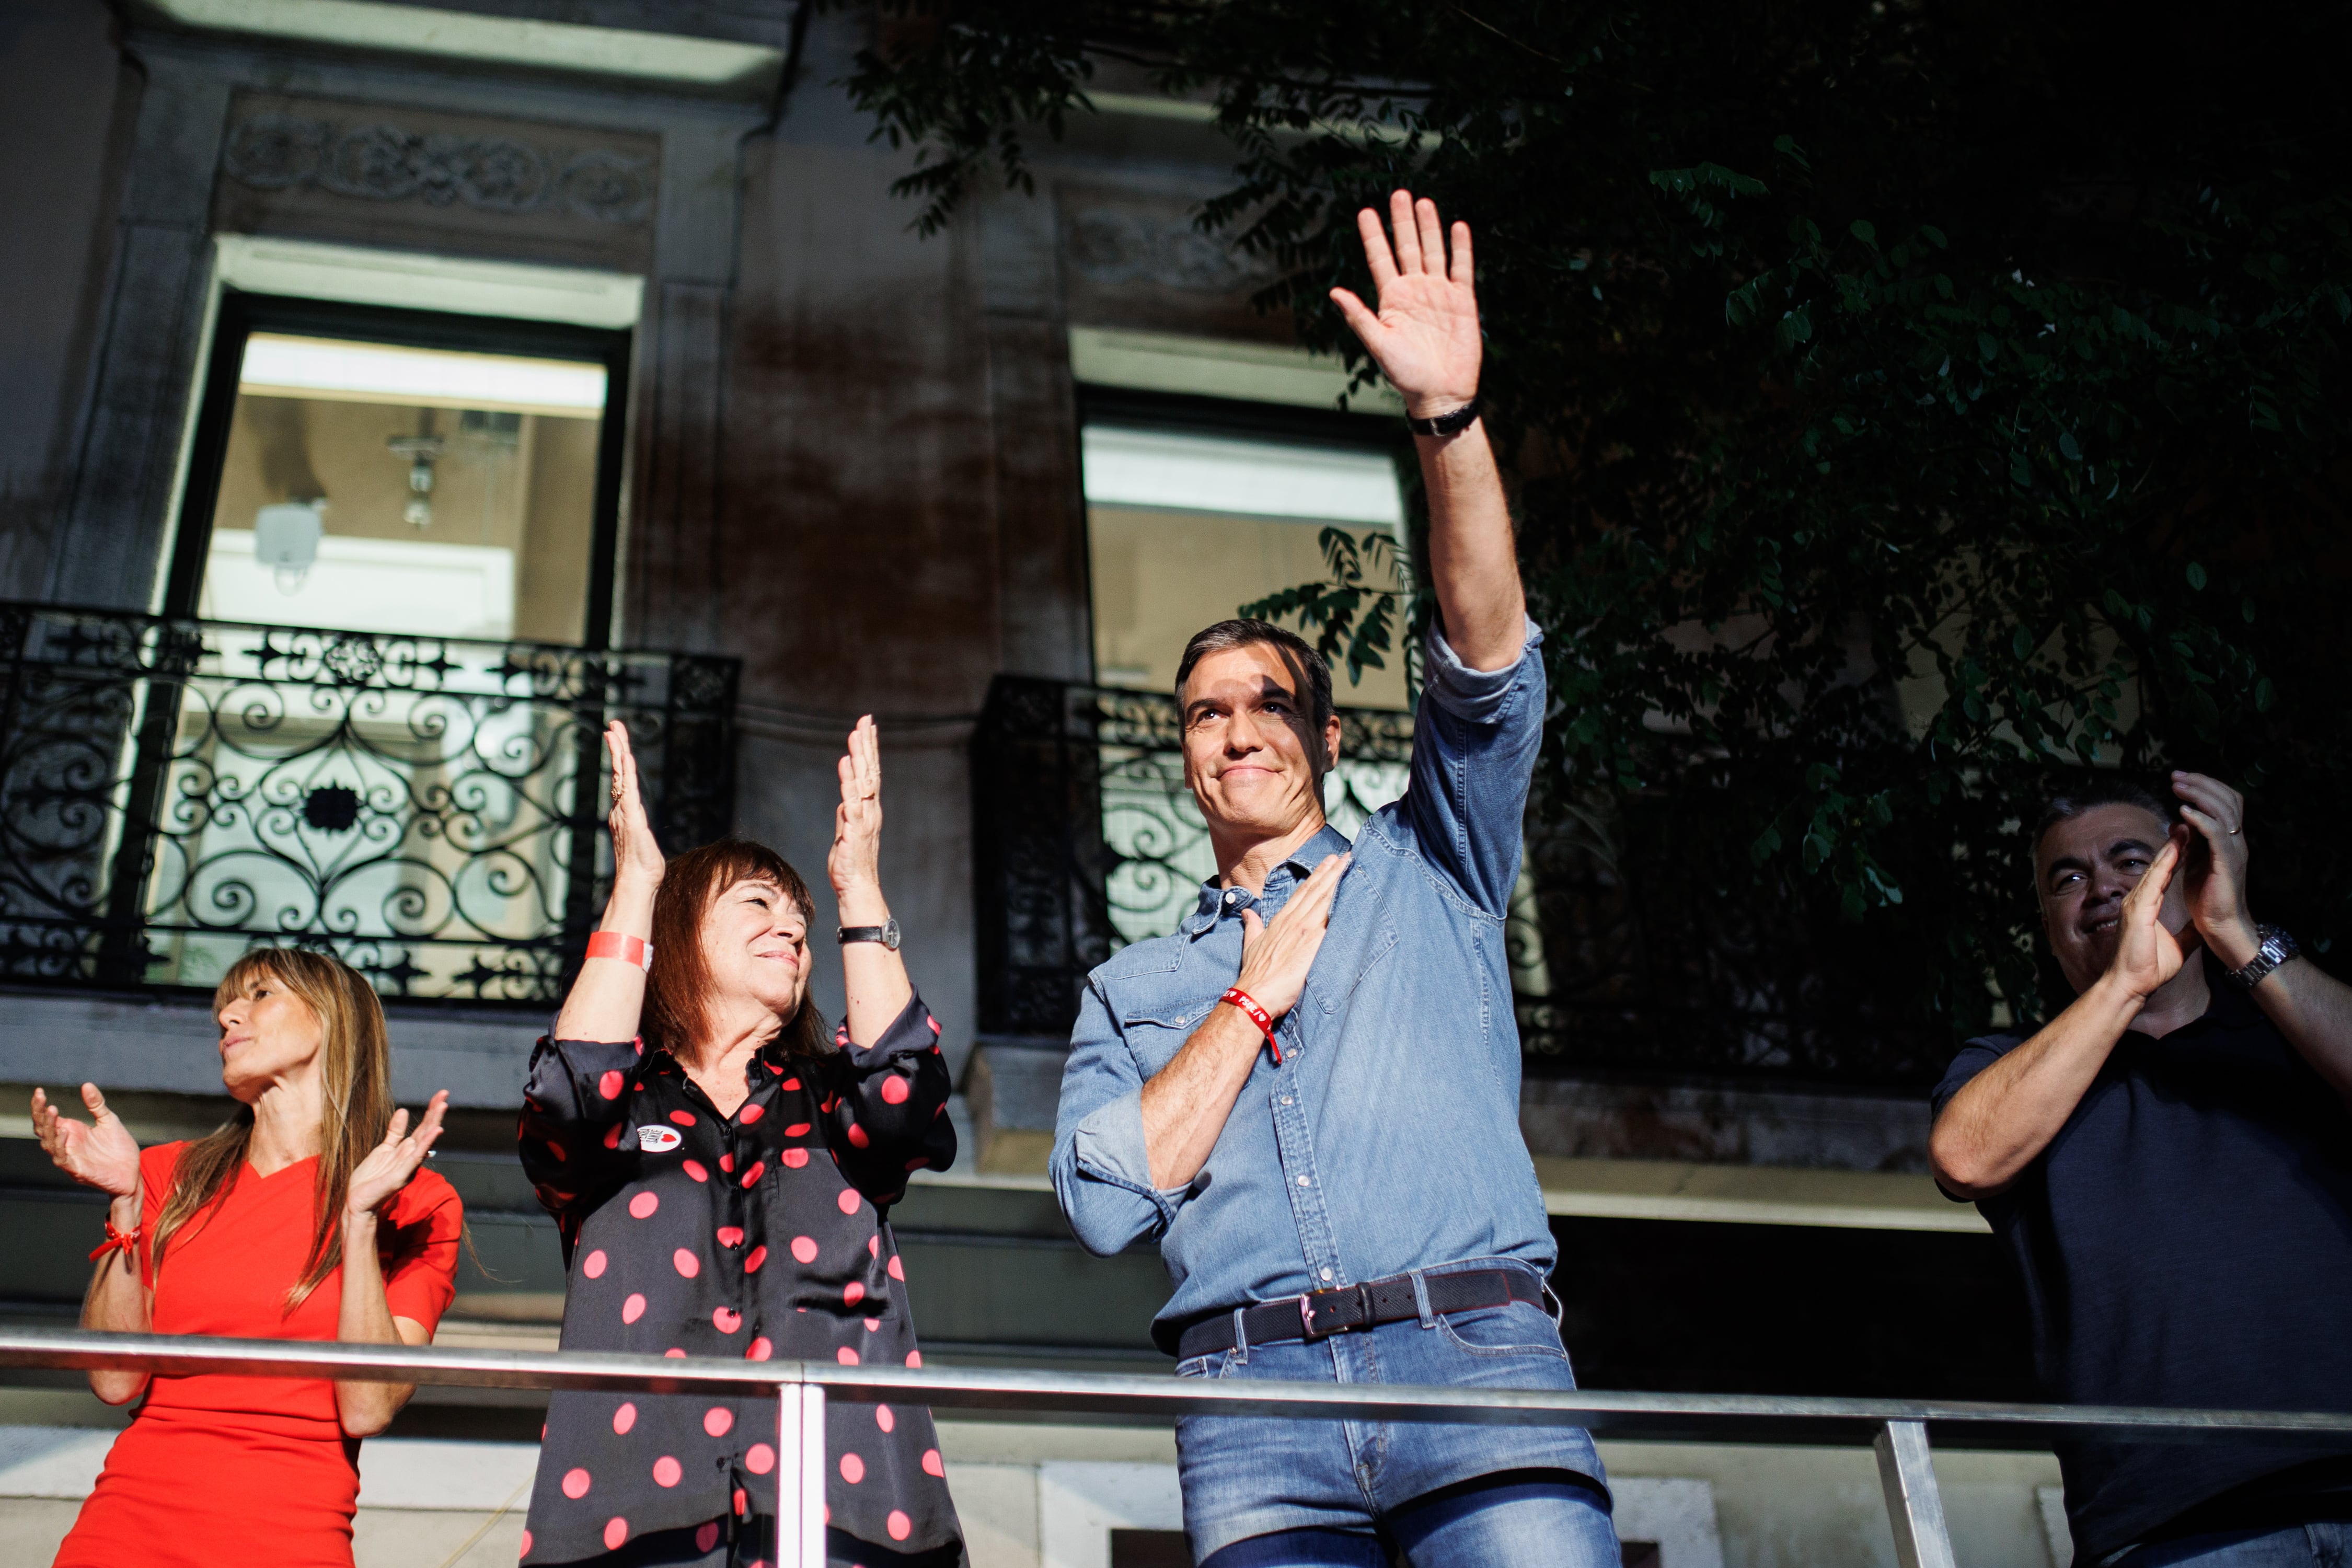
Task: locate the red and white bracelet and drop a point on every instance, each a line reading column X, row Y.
column 1258, row 1016
column 627, row 948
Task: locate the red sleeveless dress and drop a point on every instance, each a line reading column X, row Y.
column 252, row 1471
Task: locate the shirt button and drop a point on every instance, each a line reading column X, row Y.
column 1285, row 1099
column 1306, row 1181
column 1327, row 1271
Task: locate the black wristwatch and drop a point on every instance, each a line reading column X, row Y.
column 2276, row 949
column 1449, row 424
column 886, row 933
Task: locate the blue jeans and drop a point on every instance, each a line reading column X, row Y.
column 2299, row 1546
column 1338, row 1481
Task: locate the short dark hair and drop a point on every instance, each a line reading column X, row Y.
column 2107, row 789
column 1312, row 670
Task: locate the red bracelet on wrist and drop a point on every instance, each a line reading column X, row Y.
column 127, row 1240
column 627, row 948
column 1258, row 1016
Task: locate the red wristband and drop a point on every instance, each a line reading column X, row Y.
column 128, row 1240
column 627, row 948
column 1257, row 1015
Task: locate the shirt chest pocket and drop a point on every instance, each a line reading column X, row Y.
column 1154, row 1035
column 1346, row 959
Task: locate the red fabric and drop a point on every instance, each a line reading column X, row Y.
column 253, row 1471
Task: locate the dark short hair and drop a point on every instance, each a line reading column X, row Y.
column 677, row 986
column 2109, row 789
column 1312, row 671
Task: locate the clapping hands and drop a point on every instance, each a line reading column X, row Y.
column 391, row 1163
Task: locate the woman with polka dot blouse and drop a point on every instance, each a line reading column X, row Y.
column 721, row 1172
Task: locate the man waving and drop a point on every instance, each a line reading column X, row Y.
column 1308, row 1092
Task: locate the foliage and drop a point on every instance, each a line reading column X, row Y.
column 1907, row 405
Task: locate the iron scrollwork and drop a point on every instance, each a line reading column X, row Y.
column 172, row 792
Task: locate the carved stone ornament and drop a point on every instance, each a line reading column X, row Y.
column 387, row 163
column 1113, row 246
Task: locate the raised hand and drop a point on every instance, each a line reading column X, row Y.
column 101, row 1154
column 1425, row 337
column 1277, row 954
column 392, row 1163
column 2147, row 952
column 2215, row 875
column 854, row 862
column 636, row 856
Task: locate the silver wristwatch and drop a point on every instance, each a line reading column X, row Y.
column 2276, row 949
column 886, row 933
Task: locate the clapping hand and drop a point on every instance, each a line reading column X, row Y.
column 101, row 1154
column 2147, row 952
column 391, row 1163
column 636, row 856
column 1425, row 337
column 856, row 859
column 2215, row 876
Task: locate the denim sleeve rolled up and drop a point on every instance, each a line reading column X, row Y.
column 1387, row 1139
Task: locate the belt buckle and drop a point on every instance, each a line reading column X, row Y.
column 1311, row 1331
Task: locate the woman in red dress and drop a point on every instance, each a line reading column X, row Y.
column 306, row 1217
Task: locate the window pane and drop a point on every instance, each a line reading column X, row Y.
column 448, row 494
column 1185, row 528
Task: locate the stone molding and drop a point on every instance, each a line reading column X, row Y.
column 384, row 162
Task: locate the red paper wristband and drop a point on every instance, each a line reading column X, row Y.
column 1257, row 1015
column 627, row 948
column 128, row 1240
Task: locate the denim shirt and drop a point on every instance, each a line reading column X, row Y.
column 1388, row 1139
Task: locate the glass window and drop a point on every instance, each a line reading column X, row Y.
column 371, row 487
column 1185, row 526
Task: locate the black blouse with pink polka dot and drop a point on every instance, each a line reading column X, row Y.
column 765, row 1234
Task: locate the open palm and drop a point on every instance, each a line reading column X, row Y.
column 1424, row 336
column 391, row 1163
column 101, row 1154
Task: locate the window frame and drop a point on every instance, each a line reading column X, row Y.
column 242, row 314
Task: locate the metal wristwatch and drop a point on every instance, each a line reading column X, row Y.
column 2276, row 949
column 1451, row 423
column 886, row 933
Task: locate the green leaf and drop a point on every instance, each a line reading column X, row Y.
column 2196, row 575
column 1863, row 231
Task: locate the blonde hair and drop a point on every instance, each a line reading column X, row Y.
column 355, row 1105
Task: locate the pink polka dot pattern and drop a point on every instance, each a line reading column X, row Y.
column 726, row 1320
column 719, row 1420
column 752, row 1176
column 682, row 1117
column 726, row 1161
column 792, row 1086
column 624, row 1418
column 873, row 1325
column 857, row 1138
column 753, row 1258
column 706, row 1536
column 853, row 1293
column 762, row 1349
column 794, row 1159
column 731, row 1236
column 895, row 1089
column 667, row 1471
column 797, row 1129
column 846, row 1356
column 526, row 1545
column 576, row 1484
column 697, row 1168
column 931, row 1464
column 609, row 1086
column 804, row 1248
column 760, row 1458
column 634, row 1308
column 612, row 1136
column 898, row 1524
column 592, row 1265
column 897, row 1270
column 847, row 1200
column 617, row 1533
column 751, row 1112
column 853, row 1469
column 686, row 1262
column 675, row 1354
column 914, row 1358
column 884, row 1419
column 873, row 1246
column 643, row 1205
column 557, row 1149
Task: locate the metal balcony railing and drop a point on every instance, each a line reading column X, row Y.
column 1900, row 1431
column 174, row 792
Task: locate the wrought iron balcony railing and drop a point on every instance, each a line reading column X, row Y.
column 174, row 792
column 1627, row 956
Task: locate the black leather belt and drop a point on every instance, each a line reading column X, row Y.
column 1319, row 1314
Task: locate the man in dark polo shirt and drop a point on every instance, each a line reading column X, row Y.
column 2169, row 1163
